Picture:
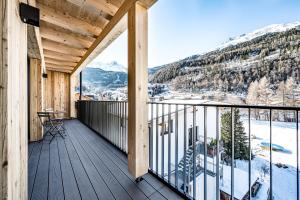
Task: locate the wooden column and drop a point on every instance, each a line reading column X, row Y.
column 138, row 146
column 13, row 103
column 72, row 96
column 35, row 105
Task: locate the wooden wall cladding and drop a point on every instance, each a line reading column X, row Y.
column 35, row 98
column 57, row 91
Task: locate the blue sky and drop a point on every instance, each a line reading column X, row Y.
column 181, row 28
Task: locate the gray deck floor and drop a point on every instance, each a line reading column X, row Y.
column 85, row 166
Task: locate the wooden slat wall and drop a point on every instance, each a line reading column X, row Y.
column 13, row 103
column 35, row 127
column 57, row 91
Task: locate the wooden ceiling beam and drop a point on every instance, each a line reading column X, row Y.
column 59, row 62
column 58, row 70
column 60, row 56
column 66, row 21
column 59, row 47
column 104, row 6
column 66, row 38
column 116, row 26
column 58, row 66
column 117, row 3
column 147, row 3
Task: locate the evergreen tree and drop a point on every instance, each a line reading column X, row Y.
column 241, row 146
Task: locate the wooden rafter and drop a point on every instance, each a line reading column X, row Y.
column 104, row 6
column 66, row 21
column 102, row 40
column 49, row 65
column 58, row 47
column 58, row 70
column 61, row 56
column 116, row 26
column 66, row 38
column 59, row 62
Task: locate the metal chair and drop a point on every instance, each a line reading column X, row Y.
column 51, row 125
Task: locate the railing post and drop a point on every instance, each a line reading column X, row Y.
column 250, row 154
column 297, row 142
column 176, row 147
column 218, row 155
column 184, row 146
column 151, row 138
column 169, row 143
column 194, row 152
column 80, row 85
column 205, row 153
column 232, row 152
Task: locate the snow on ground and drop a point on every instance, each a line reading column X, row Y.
column 240, row 181
column 284, row 179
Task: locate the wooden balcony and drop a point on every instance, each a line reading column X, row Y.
column 86, row 166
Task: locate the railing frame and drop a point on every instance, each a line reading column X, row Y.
column 115, row 112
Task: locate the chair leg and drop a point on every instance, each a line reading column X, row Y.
column 53, row 136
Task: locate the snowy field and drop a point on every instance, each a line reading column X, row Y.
column 284, row 179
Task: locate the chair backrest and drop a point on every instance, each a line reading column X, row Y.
column 44, row 117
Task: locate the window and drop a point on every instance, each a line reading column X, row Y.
column 167, row 126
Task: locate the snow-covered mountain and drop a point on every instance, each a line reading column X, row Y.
column 271, row 53
column 274, row 28
column 112, row 66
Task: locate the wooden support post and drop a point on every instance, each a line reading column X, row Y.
column 13, row 103
column 72, row 96
column 138, row 145
column 35, row 127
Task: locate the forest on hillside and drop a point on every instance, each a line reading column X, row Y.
column 264, row 70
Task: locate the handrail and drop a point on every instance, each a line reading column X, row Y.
column 263, row 107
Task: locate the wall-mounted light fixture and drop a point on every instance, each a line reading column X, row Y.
column 29, row 14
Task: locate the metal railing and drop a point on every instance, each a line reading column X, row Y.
column 108, row 118
column 212, row 151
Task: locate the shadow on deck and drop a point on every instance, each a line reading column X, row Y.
column 85, row 166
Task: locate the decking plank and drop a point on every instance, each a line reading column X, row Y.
column 127, row 184
column 116, row 156
column 70, row 187
column 157, row 196
column 99, row 185
column 116, row 188
column 84, row 184
column 169, row 194
column 115, row 161
column 86, row 166
column 30, row 149
column 40, row 186
column 55, row 179
column 33, row 166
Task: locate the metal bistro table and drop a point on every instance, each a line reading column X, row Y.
column 56, row 122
